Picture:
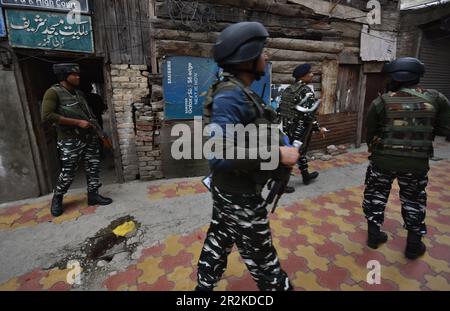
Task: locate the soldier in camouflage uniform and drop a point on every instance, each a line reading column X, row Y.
column 65, row 107
column 402, row 125
column 240, row 215
column 295, row 123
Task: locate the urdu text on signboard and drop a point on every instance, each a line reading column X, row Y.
column 49, row 31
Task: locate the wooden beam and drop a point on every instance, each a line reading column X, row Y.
column 305, row 45
column 180, row 35
column 314, row 28
column 229, row 14
column 288, row 67
column 154, row 61
column 112, row 121
column 349, row 59
column 278, row 54
column 176, row 47
column 277, row 43
column 361, row 100
column 266, row 6
column 330, row 70
column 347, row 29
column 336, row 11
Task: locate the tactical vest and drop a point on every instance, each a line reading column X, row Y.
column 240, row 180
column 295, row 122
column 229, row 82
column 408, row 125
column 72, row 106
column 291, row 97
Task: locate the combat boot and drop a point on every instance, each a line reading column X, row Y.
column 375, row 236
column 307, row 177
column 96, row 199
column 414, row 246
column 57, row 205
column 289, row 189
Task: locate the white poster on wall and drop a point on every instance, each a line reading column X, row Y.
column 379, row 46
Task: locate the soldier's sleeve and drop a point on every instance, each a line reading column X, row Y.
column 49, row 105
column 442, row 125
column 229, row 109
column 373, row 119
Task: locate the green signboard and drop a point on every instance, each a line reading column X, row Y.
column 49, row 31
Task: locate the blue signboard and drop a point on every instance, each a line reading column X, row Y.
column 2, row 24
column 49, row 31
column 186, row 79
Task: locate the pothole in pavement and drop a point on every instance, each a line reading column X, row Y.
column 106, row 244
column 106, row 247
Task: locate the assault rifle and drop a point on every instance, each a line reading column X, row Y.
column 95, row 126
column 280, row 180
column 104, row 139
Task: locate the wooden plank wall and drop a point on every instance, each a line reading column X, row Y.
column 347, row 89
column 122, row 31
column 342, row 128
column 297, row 36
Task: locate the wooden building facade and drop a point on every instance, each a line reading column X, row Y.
column 342, row 40
column 338, row 40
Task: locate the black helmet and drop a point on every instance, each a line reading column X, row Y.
column 405, row 69
column 240, row 43
column 62, row 71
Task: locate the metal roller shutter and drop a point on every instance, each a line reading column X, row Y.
column 435, row 53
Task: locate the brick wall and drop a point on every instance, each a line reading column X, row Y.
column 138, row 116
column 148, row 117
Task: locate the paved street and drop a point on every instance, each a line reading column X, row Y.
column 319, row 233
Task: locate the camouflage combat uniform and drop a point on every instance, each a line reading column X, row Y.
column 74, row 144
column 294, row 122
column 401, row 130
column 240, row 215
